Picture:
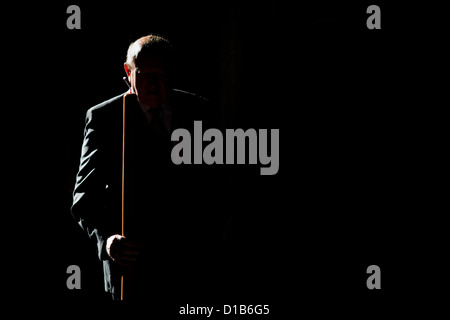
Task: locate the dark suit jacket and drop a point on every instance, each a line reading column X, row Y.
column 177, row 205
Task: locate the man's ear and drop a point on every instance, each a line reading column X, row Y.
column 127, row 69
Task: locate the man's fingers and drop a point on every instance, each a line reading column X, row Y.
column 123, row 251
column 126, row 257
column 127, row 243
column 128, row 251
column 128, row 247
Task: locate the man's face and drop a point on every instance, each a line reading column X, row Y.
column 150, row 81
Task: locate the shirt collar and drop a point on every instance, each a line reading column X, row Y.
column 165, row 115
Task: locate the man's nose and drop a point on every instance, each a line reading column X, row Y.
column 152, row 83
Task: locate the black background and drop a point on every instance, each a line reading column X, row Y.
column 358, row 182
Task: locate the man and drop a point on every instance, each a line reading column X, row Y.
column 174, row 229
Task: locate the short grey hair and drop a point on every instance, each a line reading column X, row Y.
column 150, row 45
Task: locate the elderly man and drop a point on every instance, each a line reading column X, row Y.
column 175, row 231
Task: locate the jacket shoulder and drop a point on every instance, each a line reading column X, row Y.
column 181, row 94
column 106, row 106
column 189, row 104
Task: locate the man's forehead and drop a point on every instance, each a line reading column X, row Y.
column 150, row 63
column 150, row 69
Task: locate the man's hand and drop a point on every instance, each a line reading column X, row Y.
column 121, row 250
